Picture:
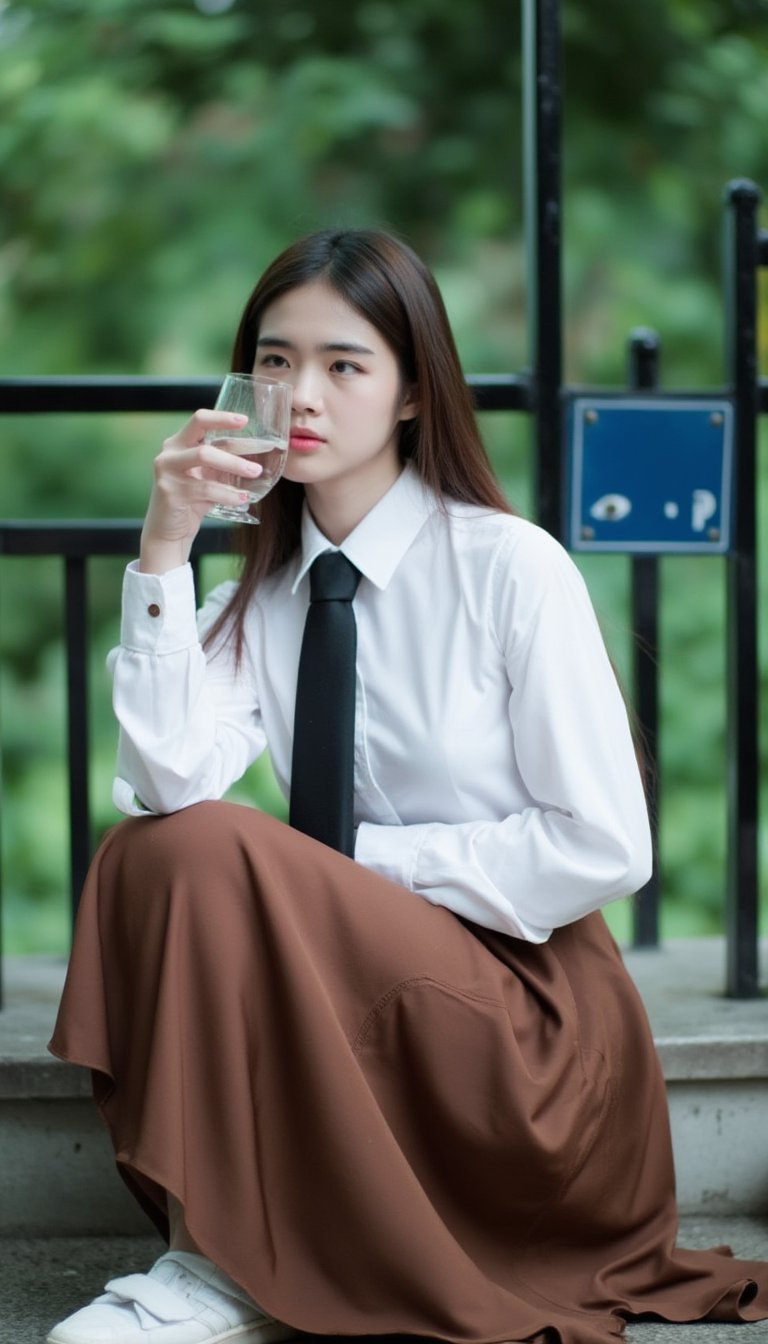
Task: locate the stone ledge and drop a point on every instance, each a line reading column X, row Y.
column 689, row 1059
column 39, row 1079
column 32, row 987
column 700, row 1035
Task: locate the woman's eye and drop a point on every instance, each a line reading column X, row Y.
column 274, row 362
column 344, row 366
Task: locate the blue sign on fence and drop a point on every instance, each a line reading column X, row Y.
column 650, row 475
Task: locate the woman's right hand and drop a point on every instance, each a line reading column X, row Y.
column 190, row 476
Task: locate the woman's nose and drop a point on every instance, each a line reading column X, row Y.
column 307, row 393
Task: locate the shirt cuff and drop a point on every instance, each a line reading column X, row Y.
column 390, row 851
column 159, row 613
column 125, row 800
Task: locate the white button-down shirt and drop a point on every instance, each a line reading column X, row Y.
column 494, row 769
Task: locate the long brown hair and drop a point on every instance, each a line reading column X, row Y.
column 387, row 283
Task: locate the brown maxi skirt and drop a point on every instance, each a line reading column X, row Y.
column 379, row 1119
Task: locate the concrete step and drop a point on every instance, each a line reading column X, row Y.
column 714, row 1054
column 57, row 1176
column 44, row 1279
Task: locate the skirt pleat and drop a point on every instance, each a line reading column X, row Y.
column 379, row 1119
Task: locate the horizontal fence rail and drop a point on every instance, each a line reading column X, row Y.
column 86, row 538
column 105, row 395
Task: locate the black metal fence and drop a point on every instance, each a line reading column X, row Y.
column 541, row 394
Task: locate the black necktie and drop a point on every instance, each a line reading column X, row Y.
column 322, row 771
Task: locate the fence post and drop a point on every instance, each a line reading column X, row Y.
column 541, row 148
column 76, row 625
column 741, row 261
column 644, row 348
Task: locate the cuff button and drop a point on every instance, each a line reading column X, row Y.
column 153, row 609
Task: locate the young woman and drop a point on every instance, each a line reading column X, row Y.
column 413, row 1090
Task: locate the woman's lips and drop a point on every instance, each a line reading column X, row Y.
column 304, row 441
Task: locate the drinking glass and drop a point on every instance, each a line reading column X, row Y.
column 264, row 439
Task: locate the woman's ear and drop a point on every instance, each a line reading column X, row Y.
column 410, row 404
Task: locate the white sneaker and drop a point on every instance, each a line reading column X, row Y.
column 184, row 1299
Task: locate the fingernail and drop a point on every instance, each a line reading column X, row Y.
column 243, row 496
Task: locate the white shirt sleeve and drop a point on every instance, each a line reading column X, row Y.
column 585, row 839
column 190, row 725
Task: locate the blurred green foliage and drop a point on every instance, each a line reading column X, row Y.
column 154, row 158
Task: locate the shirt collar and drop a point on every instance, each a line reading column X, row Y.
column 381, row 538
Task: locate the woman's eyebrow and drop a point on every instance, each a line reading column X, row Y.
column 345, row 347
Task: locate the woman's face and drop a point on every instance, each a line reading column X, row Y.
column 348, row 396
